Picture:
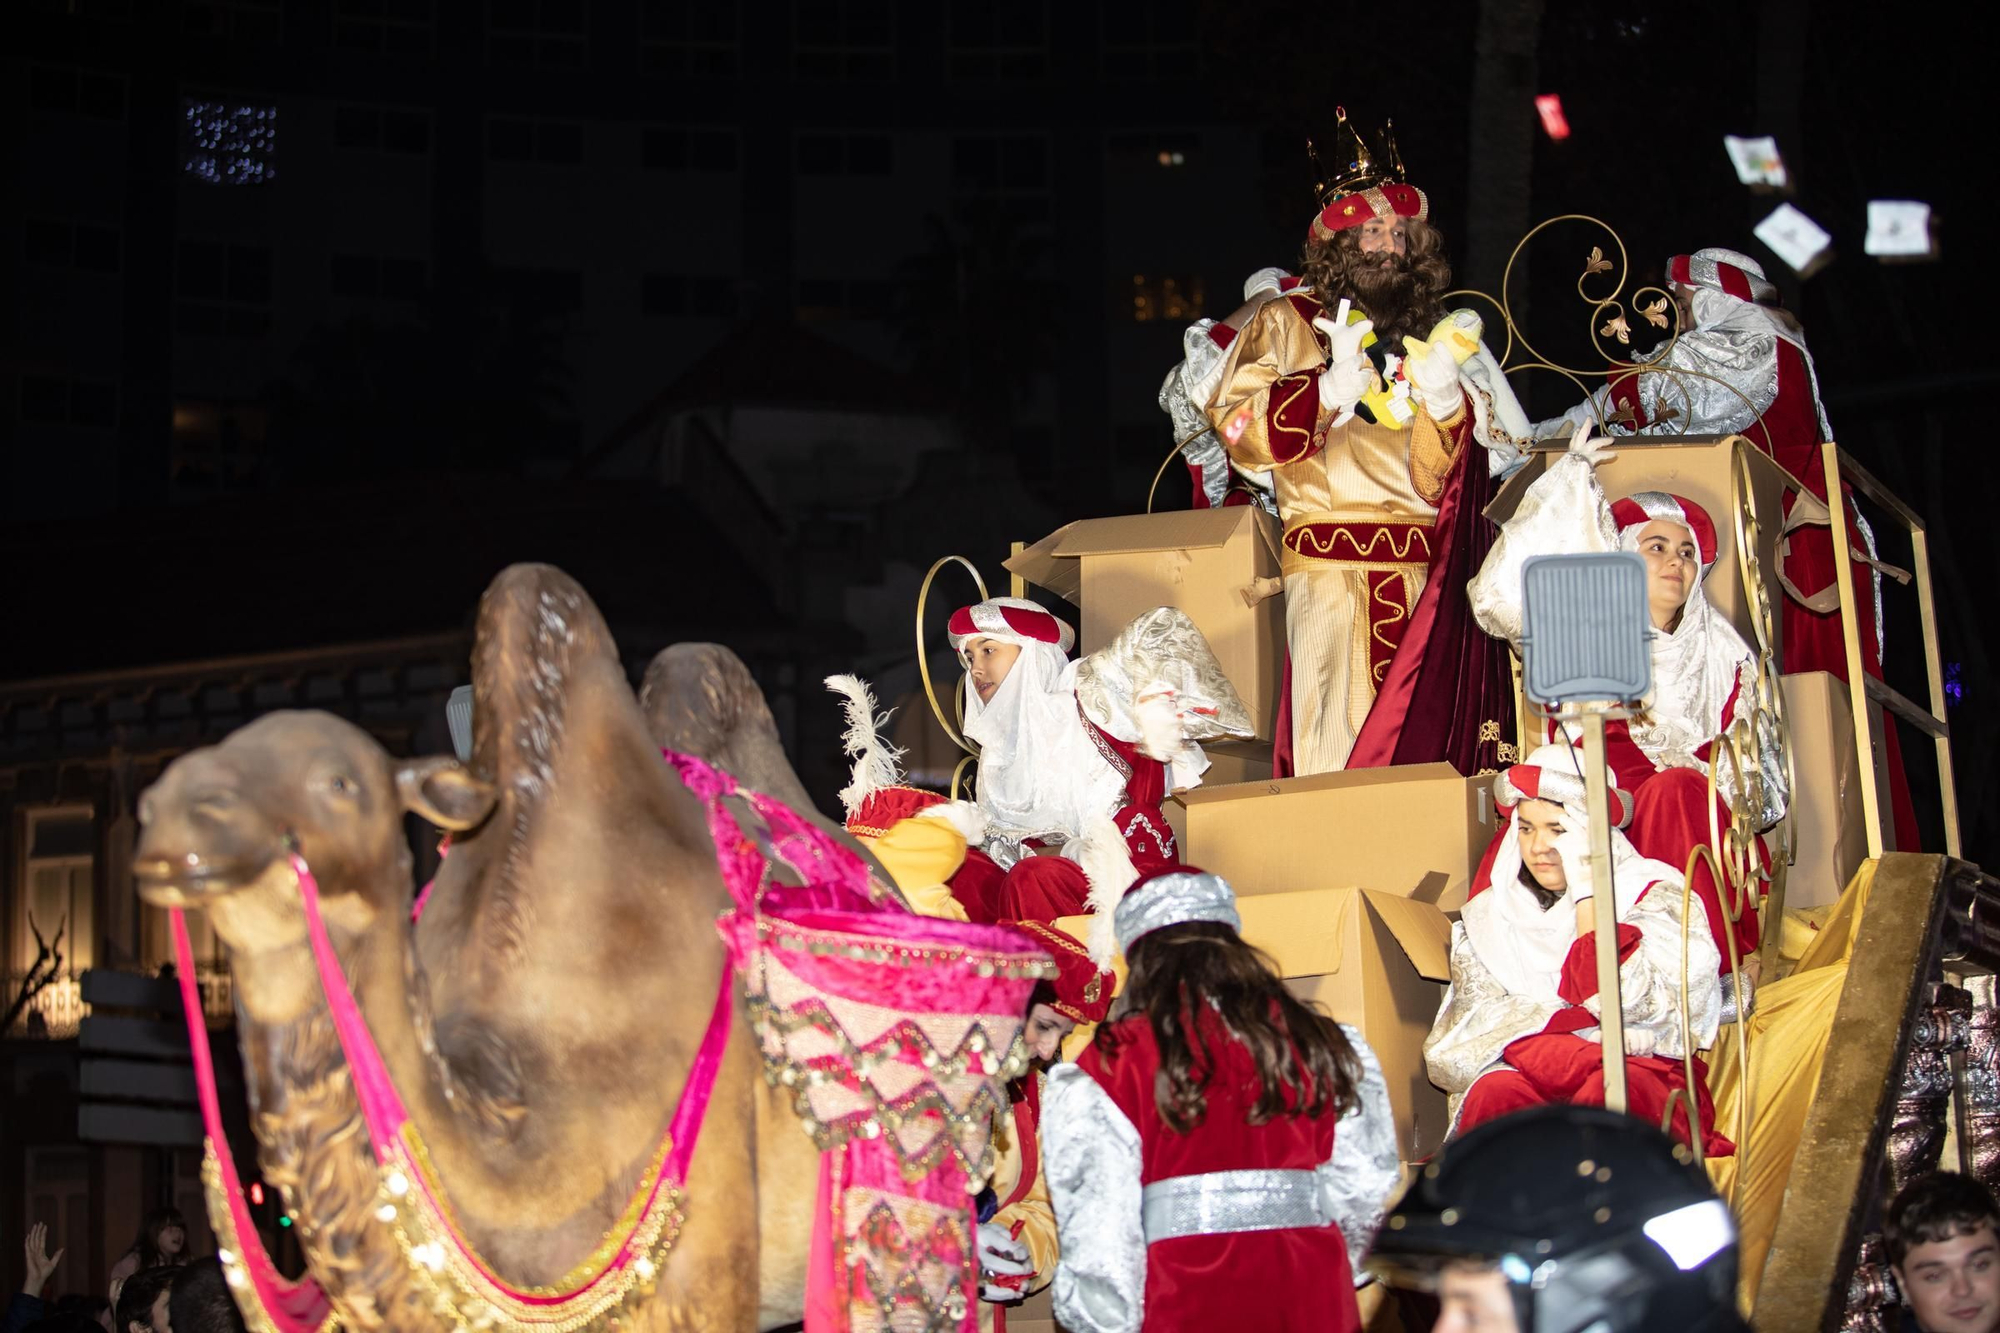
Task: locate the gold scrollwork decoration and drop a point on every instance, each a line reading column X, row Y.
column 1612, row 316
column 951, row 727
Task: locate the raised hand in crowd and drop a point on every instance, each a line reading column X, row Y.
column 37, row 1259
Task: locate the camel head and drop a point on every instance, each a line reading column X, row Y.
column 218, row 827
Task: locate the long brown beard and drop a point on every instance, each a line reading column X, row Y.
column 1402, row 294
column 1386, row 290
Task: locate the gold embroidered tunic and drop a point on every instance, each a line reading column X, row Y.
column 1358, row 501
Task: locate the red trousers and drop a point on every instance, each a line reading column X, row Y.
column 1037, row 888
column 1558, row 1067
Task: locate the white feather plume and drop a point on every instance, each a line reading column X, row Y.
column 1107, row 864
column 876, row 762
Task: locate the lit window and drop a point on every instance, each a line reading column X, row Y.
column 217, row 445
column 58, row 906
column 224, row 143
column 1174, row 297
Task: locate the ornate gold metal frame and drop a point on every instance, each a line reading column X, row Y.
column 954, row 725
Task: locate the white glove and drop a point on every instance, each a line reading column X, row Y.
column 1589, row 446
column 1262, row 281
column 1640, row 1042
column 1435, row 378
column 1343, row 341
column 1573, row 846
column 1159, row 725
column 1342, row 384
column 1348, row 373
column 1000, row 1255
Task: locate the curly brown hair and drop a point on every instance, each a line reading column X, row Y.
column 1305, row 1062
column 1401, row 293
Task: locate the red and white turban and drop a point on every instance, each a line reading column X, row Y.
column 1393, row 200
column 1636, row 511
column 1553, row 773
column 1724, row 271
column 1012, row 620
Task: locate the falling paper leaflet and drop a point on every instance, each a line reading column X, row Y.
column 1899, row 229
column 1756, row 160
column 1795, row 238
column 1550, row 105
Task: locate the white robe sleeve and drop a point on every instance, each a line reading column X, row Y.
column 1477, row 1020
column 1090, row 1157
column 1649, row 982
column 1366, row 1166
column 1186, row 391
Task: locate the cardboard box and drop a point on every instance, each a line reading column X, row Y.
column 1700, row 468
column 1231, row 762
column 1417, row 831
column 1376, row 960
column 1832, row 832
column 1200, row 560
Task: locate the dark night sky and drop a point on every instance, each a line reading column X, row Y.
column 361, row 519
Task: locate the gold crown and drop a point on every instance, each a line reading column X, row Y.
column 1359, row 166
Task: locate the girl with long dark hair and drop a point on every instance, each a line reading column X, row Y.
column 161, row 1243
column 1221, row 1153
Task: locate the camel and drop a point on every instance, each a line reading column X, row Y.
column 539, row 1020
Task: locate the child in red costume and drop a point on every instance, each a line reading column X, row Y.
column 1220, row 1155
column 1519, row 1023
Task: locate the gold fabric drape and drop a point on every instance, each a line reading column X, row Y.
column 1788, row 1036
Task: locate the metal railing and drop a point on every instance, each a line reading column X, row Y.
column 1839, row 466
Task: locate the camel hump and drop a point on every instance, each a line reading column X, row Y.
column 540, row 609
column 700, row 699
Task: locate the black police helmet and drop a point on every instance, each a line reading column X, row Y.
column 1598, row 1221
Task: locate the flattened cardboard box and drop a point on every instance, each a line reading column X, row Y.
column 1417, row 831
column 1376, row 960
column 1702, row 469
column 1200, row 560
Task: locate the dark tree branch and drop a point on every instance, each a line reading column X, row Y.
column 42, row 974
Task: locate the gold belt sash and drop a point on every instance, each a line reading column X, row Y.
column 1318, row 542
